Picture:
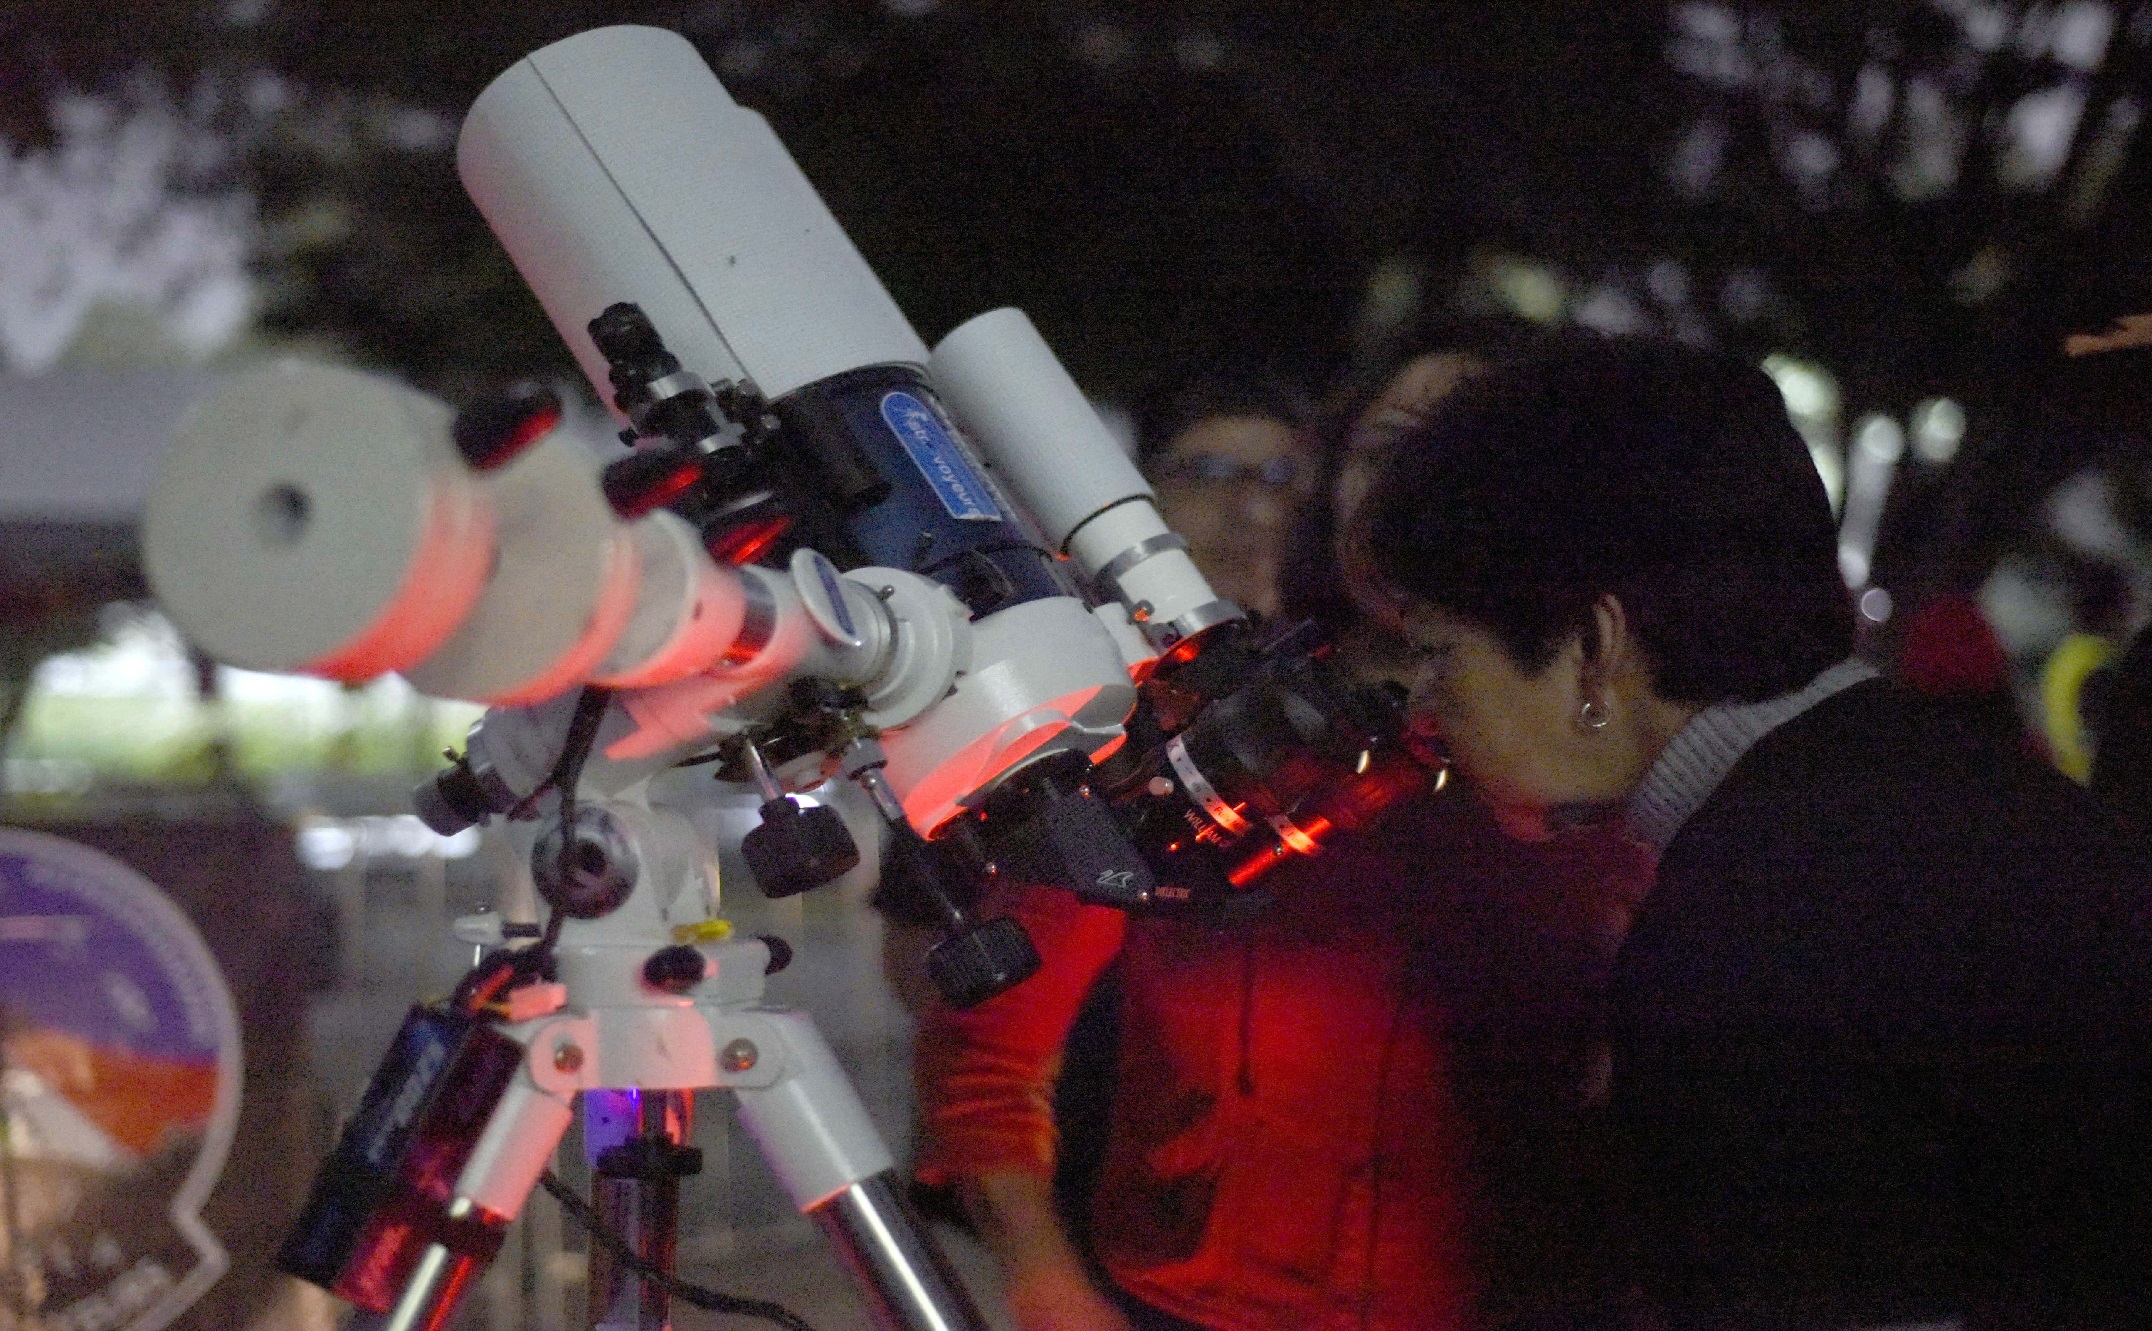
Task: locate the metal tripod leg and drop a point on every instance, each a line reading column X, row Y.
column 909, row 1282
column 637, row 1144
column 817, row 1137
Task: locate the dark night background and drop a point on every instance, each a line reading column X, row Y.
column 1286, row 184
column 1914, row 199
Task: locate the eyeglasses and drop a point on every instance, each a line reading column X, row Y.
column 1276, row 473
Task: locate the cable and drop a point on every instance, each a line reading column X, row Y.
column 568, row 772
column 697, row 1296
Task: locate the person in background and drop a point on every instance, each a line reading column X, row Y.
column 1878, row 1034
column 1232, row 466
column 1949, row 654
column 1363, row 425
column 1287, row 1144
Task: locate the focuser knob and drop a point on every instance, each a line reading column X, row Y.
column 494, row 430
column 631, row 345
column 973, row 966
column 796, row 849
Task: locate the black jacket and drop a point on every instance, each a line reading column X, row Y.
column 1879, row 1041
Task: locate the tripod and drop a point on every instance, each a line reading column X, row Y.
column 654, row 1000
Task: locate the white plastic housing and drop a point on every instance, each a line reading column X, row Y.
column 688, row 609
column 1045, row 676
column 615, row 167
column 811, row 1124
column 563, row 587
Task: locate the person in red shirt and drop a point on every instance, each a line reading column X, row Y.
column 1288, row 1140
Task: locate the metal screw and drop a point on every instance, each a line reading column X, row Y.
column 568, row 1058
column 739, row 1056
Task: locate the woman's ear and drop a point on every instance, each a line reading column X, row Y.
column 1608, row 643
column 1610, row 625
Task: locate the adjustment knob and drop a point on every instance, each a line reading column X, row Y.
column 675, row 969
column 453, row 800
column 649, row 478
column 623, row 334
column 493, row 430
column 973, row 966
column 797, row 848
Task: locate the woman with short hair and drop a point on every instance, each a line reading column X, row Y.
column 1877, row 1035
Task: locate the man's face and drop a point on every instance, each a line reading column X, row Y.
column 1230, row 485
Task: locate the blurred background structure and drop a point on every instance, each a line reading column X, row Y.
column 1900, row 207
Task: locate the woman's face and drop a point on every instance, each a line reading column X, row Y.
column 1513, row 732
column 1230, row 486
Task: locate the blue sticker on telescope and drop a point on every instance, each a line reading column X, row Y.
column 939, row 459
column 827, row 572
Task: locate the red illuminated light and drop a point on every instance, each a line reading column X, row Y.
column 749, row 541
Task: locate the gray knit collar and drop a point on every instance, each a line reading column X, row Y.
column 1698, row 758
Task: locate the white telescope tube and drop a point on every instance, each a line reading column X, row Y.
column 1040, row 436
column 318, row 520
column 613, row 166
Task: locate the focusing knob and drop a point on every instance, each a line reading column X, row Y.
column 493, row 430
column 626, row 338
column 973, row 966
column 797, row 848
column 649, row 478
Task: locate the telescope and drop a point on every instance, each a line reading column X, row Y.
column 822, row 553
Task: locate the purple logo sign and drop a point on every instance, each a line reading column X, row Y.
column 119, row 1092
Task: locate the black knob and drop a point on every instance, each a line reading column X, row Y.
column 625, row 336
column 797, row 848
column 675, row 970
column 493, row 430
column 452, row 800
column 975, row 965
column 780, row 953
column 649, row 478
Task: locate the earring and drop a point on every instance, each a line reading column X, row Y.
column 1592, row 715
